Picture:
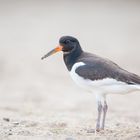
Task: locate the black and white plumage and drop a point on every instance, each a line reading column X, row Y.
column 95, row 74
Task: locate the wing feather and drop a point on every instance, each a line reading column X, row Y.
column 97, row 68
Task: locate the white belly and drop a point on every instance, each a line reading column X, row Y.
column 104, row 86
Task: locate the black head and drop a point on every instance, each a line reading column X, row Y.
column 71, row 50
column 67, row 44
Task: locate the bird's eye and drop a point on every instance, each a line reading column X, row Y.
column 67, row 41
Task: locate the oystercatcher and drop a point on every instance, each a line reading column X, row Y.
column 95, row 74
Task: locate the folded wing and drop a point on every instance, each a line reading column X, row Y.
column 97, row 68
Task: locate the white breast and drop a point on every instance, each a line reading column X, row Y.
column 104, row 86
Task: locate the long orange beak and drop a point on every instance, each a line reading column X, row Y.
column 57, row 49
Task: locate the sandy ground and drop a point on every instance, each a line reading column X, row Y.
column 38, row 99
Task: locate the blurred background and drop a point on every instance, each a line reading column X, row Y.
column 31, row 28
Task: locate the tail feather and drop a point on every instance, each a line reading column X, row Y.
column 136, row 79
column 129, row 78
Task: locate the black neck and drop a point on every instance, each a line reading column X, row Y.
column 71, row 57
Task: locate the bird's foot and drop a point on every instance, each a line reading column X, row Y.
column 98, row 130
column 102, row 128
column 97, row 127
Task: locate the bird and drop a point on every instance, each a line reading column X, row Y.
column 95, row 74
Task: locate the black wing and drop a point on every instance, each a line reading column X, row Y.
column 97, row 68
